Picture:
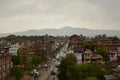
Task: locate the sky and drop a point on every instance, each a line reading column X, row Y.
column 21, row 15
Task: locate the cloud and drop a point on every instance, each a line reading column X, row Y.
column 93, row 14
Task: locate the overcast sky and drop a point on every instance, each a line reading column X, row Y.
column 20, row 15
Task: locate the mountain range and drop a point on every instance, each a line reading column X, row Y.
column 66, row 31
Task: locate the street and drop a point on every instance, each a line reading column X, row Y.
column 45, row 72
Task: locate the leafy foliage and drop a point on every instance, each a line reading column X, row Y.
column 115, row 38
column 15, row 60
column 36, row 60
column 94, row 71
column 67, row 62
column 102, row 50
column 23, row 53
column 17, row 73
column 91, row 78
column 88, row 46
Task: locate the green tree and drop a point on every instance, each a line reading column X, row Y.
column 77, row 72
column 91, row 78
column 11, row 38
column 28, row 65
column 23, row 53
column 73, row 73
column 101, row 69
column 115, row 38
column 86, row 71
column 102, row 50
column 36, row 60
column 17, row 73
column 72, row 58
column 65, row 63
column 87, row 45
column 15, row 60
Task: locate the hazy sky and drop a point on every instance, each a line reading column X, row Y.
column 20, row 15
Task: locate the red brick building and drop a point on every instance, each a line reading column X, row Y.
column 5, row 65
column 43, row 48
column 109, row 44
column 76, row 43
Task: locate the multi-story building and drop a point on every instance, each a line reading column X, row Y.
column 76, row 43
column 112, row 47
column 89, row 56
column 5, row 65
column 14, row 48
column 79, row 57
column 113, row 55
column 43, row 48
column 109, row 44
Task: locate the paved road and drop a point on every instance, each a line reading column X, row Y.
column 46, row 74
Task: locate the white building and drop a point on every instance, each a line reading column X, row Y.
column 79, row 57
column 14, row 48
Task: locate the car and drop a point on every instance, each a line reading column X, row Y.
column 31, row 73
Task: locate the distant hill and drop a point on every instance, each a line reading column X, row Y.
column 66, row 31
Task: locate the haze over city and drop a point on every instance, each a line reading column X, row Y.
column 20, row 15
column 59, row 39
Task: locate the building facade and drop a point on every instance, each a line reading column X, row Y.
column 89, row 57
column 14, row 48
column 5, row 65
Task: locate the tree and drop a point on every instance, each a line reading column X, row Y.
column 72, row 58
column 87, row 45
column 36, row 60
column 101, row 69
column 73, row 73
column 86, row 71
column 23, row 53
column 11, row 38
column 102, row 50
column 65, row 63
column 17, row 73
column 28, row 65
column 91, row 78
column 77, row 72
column 115, row 38
column 15, row 60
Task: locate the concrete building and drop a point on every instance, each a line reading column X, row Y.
column 76, row 43
column 79, row 57
column 14, row 48
column 5, row 65
column 89, row 56
column 113, row 55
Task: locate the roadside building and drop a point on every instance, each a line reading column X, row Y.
column 113, row 55
column 14, row 48
column 5, row 64
column 76, row 43
column 79, row 57
column 89, row 56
